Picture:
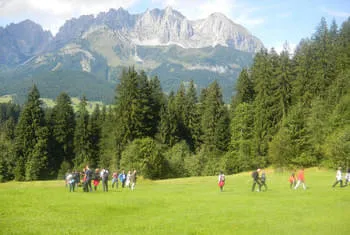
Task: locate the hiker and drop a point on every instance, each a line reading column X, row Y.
column 347, row 177
column 88, row 178
column 70, row 181
column 263, row 179
column 301, row 179
column 133, row 180
column 76, row 176
column 104, row 176
column 115, row 179
column 255, row 176
column 221, row 181
column 122, row 178
column 338, row 178
column 127, row 181
column 292, row 180
column 97, row 178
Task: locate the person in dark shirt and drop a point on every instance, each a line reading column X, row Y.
column 104, row 176
column 255, row 176
column 263, row 179
column 88, row 176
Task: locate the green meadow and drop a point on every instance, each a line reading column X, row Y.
column 179, row 206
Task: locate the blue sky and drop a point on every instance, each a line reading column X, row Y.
column 273, row 21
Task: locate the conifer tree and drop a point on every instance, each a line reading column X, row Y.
column 31, row 140
column 215, row 127
column 62, row 125
column 82, row 144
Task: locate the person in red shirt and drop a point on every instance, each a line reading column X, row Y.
column 301, row 179
column 292, row 180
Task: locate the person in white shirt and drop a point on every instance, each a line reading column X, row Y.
column 338, row 177
column 221, row 181
column 347, row 177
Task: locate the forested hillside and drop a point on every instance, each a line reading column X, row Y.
column 290, row 110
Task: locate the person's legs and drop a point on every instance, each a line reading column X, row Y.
column 297, row 185
column 304, row 186
column 133, row 186
column 89, row 186
column 253, row 187
column 105, row 185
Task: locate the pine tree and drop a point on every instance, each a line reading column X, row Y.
column 62, row 127
column 31, row 140
column 215, row 127
column 168, row 129
column 82, row 144
column 244, row 89
column 241, row 147
column 94, row 130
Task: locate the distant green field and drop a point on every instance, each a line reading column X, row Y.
column 179, row 206
column 6, row 98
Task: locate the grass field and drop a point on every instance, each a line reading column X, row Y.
column 179, row 206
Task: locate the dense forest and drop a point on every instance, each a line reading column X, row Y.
column 289, row 110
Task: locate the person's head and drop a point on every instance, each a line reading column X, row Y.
column 258, row 170
column 221, row 172
column 348, row 170
column 134, row 171
column 339, row 168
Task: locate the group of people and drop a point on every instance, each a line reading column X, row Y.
column 295, row 181
column 259, row 178
column 95, row 177
column 339, row 178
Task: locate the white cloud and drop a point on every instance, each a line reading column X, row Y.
column 280, row 46
column 197, row 9
column 53, row 13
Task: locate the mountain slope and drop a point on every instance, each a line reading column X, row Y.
column 161, row 42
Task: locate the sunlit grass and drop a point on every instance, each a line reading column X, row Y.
column 179, row 206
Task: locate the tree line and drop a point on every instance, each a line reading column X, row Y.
column 288, row 111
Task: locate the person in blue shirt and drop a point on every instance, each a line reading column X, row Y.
column 122, row 178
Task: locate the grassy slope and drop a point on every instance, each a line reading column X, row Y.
column 179, row 206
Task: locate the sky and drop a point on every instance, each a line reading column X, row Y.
column 274, row 22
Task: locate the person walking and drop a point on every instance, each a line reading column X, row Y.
column 347, row 177
column 71, row 182
column 338, row 178
column 122, row 178
column 292, row 180
column 221, row 181
column 97, row 178
column 88, row 179
column 133, row 180
column 255, row 176
column 105, row 174
column 115, row 179
column 127, row 182
column 263, row 179
column 301, row 179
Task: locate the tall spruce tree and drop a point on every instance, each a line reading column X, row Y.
column 62, row 129
column 82, row 144
column 31, row 140
column 214, row 123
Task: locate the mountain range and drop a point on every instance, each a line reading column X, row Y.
column 88, row 53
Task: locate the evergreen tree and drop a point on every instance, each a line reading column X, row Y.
column 244, row 89
column 31, row 140
column 82, row 144
column 168, row 129
column 62, row 125
column 241, row 148
column 192, row 118
column 214, row 121
column 94, row 130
